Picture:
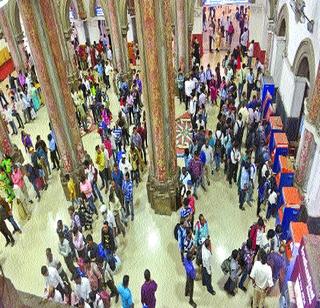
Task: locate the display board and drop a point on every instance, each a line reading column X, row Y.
column 222, row 2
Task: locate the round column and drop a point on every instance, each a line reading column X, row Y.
column 45, row 37
column 156, row 63
column 11, row 40
column 119, row 44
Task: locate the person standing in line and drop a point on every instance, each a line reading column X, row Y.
column 191, row 276
column 206, row 270
column 244, row 184
column 235, row 157
column 53, row 262
column 52, row 279
column 4, row 229
column 211, row 36
column 247, row 254
column 148, row 291
column 86, row 189
column 125, row 293
column 82, row 289
column 244, row 38
column 53, row 152
column 66, row 252
column 180, row 85
column 250, row 83
column 261, row 275
column 127, row 189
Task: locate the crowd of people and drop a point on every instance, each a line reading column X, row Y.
column 238, row 143
column 236, row 147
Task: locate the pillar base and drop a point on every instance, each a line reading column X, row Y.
column 75, row 175
column 163, row 195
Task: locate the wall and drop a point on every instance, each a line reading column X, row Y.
column 259, row 23
column 298, row 31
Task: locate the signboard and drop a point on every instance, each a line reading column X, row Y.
column 222, row 2
column 99, row 11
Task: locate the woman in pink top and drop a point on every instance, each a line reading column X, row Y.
column 78, row 242
column 18, row 182
column 86, row 189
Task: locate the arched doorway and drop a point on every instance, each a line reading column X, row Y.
column 280, row 44
column 304, row 71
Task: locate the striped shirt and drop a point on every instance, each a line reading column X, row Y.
column 185, row 212
column 127, row 190
column 117, row 132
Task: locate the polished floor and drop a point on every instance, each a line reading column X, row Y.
column 149, row 242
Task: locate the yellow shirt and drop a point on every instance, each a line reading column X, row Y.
column 100, row 161
column 72, row 189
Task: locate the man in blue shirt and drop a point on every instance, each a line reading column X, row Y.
column 127, row 190
column 117, row 175
column 125, row 293
column 53, row 152
column 191, row 276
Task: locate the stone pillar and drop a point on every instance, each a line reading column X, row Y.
column 156, row 63
column 10, row 39
column 45, row 37
column 181, row 35
column 119, row 40
column 20, row 42
column 70, row 61
column 314, row 104
column 304, row 156
column 6, row 146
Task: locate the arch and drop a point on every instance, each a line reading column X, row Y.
column 64, row 6
column 282, row 25
column 305, row 56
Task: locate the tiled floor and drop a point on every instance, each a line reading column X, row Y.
column 149, row 242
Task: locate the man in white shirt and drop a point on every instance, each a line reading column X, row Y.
column 189, row 86
column 52, row 278
column 54, row 262
column 192, row 110
column 124, row 165
column 208, row 151
column 261, row 275
column 244, row 40
column 185, row 178
column 250, row 53
column 82, row 288
column 206, row 270
column 107, row 70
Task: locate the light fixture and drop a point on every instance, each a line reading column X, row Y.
column 298, row 7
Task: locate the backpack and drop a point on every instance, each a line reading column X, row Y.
column 82, row 218
column 226, row 266
column 218, row 144
column 176, row 230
